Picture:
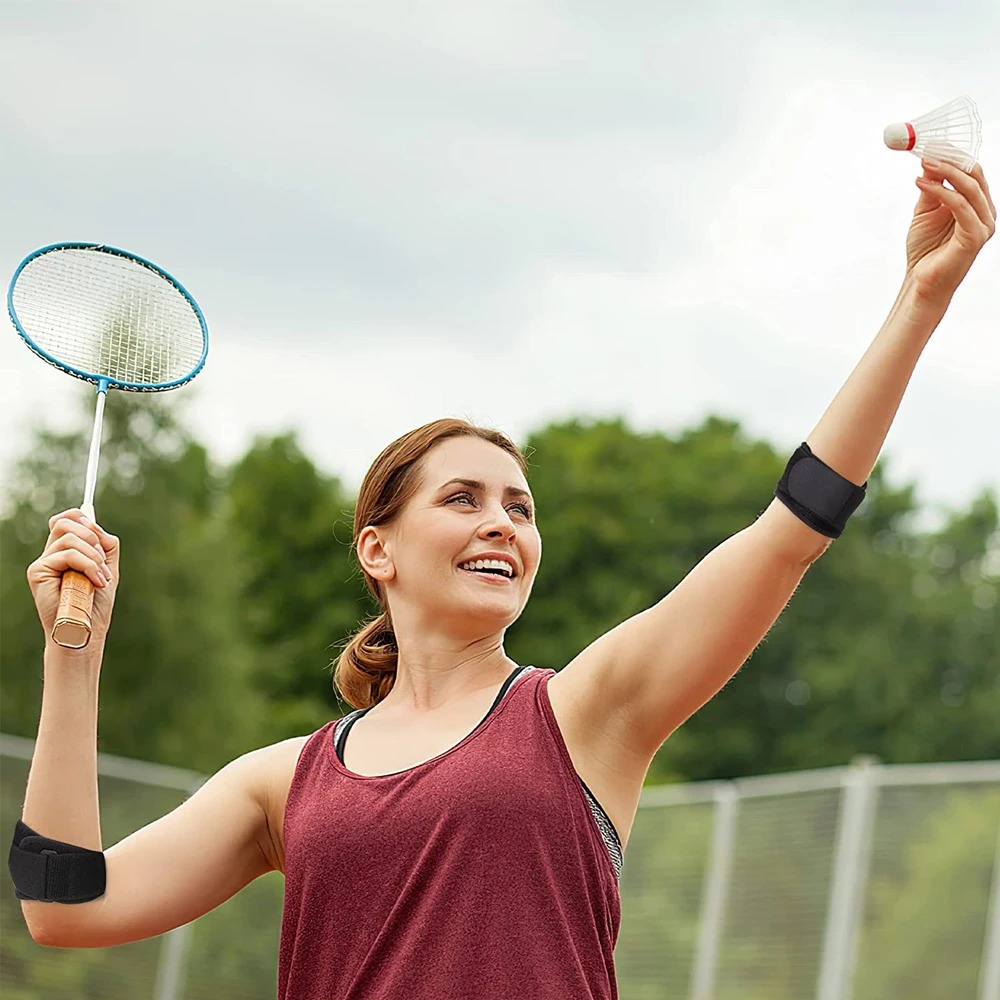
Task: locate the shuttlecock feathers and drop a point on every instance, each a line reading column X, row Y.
column 951, row 133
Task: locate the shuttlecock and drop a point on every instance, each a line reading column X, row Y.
column 951, row 133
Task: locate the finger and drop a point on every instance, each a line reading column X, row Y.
column 965, row 215
column 965, row 184
column 67, row 526
column 56, row 563
column 928, row 203
column 977, row 172
column 109, row 542
column 74, row 514
column 962, row 182
column 73, row 541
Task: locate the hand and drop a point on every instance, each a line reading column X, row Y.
column 75, row 543
column 948, row 230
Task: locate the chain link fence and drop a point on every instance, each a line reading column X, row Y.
column 868, row 882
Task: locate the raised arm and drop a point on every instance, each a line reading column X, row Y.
column 171, row 871
column 644, row 678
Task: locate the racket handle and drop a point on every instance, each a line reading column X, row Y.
column 76, row 603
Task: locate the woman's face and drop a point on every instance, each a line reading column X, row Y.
column 472, row 504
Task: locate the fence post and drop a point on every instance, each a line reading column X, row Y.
column 172, row 964
column 715, row 892
column 989, row 970
column 850, row 875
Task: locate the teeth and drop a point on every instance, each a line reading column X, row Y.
column 500, row 564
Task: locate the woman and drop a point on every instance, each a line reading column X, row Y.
column 460, row 834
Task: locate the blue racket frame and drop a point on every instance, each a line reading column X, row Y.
column 102, row 382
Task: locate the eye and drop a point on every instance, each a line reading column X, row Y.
column 460, row 496
column 524, row 508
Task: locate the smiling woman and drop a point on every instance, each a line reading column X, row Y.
column 456, row 783
column 466, row 839
column 427, row 469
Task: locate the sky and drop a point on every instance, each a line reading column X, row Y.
column 510, row 212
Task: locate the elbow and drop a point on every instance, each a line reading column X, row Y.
column 53, row 939
column 31, row 912
column 42, row 931
column 73, row 926
column 42, row 936
column 49, row 936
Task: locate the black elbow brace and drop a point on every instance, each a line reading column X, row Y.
column 50, row 871
column 816, row 494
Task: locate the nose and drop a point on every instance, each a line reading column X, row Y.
column 498, row 524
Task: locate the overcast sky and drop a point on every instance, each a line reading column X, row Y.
column 514, row 212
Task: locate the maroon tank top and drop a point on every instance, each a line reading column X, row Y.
column 478, row 875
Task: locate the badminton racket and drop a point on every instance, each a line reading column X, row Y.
column 118, row 321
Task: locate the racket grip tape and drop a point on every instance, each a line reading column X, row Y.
column 76, row 604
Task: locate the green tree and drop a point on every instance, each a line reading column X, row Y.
column 928, row 896
column 175, row 684
column 894, row 635
column 300, row 594
column 238, row 589
column 239, row 585
column 889, row 646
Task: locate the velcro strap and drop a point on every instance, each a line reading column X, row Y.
column 816, row 494
column 51, row 871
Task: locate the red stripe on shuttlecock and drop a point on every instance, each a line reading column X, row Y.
column 912, row 134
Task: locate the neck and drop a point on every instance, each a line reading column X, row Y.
column 435, row 669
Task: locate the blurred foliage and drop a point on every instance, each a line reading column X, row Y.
column 175, row 685
column 300, row 593
column 661, row 887
column 928, row 894
column 890, row 646
column 238, row 585
column 30, row 972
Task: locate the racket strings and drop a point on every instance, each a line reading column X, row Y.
column 109, row 316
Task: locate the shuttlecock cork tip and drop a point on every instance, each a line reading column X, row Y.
column 899, row 135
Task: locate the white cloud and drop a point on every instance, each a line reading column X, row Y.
column 511, row 212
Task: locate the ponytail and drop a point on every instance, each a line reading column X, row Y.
column 366, row 669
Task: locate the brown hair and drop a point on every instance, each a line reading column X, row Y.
column 366, row 670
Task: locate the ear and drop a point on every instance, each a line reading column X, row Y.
column 372, row 555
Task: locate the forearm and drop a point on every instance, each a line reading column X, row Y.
column 854, row 427
column 61, row 801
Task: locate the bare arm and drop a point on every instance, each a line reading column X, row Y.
column 644, row 678
column 169, row 872
column 173, row 870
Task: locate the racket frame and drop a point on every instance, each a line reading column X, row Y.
column 72, row 627
column 98, row 380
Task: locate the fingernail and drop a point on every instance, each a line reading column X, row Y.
column 933, row 164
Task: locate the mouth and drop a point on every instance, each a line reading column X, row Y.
column 492, row 569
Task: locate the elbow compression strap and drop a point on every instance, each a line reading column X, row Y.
column 50, row 871
column 816, row 494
